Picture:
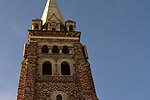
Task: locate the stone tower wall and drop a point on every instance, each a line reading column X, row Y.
column 35, row 86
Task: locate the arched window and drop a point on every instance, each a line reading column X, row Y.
column 65, row 68
column 47, row 68
column 36, row 26
column 53, row 29
column 65, row 49
column 55, row 49
column 45, row 49
column 70, row 28
column 59, row 97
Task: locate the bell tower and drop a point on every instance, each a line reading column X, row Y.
column 55, row 64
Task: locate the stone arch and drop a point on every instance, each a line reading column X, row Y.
column 56, row 93
column 65, row 68
column 70, row 27
column 47, row 68
column 71, row 63
column 65, row 49
column 55, row 49
column 59, row 97
column 42, row 61
column 45, row 49
column 53, row 29
column 36, row 26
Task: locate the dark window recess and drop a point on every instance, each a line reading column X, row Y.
column 53, row 29
column 45, row 49
column 65, row 68
column 55, row 49
column 59, row 97
column 36, row 26
column 47, row 68
column 65, row 49
column 70, row 28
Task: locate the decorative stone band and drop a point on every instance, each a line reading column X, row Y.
column 54, row 33
column 43, row 37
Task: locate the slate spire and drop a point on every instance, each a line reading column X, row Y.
column 51, row 9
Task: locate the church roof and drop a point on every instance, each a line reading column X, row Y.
column 51, row 9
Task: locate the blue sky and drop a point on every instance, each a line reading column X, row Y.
column 116, row 33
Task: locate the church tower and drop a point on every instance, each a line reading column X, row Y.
column 55, row 64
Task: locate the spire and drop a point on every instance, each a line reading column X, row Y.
column 50, row 10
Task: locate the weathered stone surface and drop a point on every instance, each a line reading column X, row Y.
column 34, row 85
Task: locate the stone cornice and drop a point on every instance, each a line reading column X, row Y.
column 54, row 33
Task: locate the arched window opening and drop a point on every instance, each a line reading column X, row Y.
column 45, row 49
column 55, row 49
column 36, row 27
column 47, row 68
column 59, row 97
column 70, row 28
column 65, row 68
column 53, row 29
column 65, row 49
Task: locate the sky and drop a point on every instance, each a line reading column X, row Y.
column 116, row 33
